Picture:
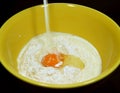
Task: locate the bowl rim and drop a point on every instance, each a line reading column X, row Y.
column 62, row 86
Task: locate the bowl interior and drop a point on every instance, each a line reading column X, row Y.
column 79, row 20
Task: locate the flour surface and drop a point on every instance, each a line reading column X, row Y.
column 29, row 59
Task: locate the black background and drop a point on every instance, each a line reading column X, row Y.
column 9, row 83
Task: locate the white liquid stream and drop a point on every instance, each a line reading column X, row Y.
column 46, row 13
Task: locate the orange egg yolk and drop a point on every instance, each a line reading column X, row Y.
column 52, row 60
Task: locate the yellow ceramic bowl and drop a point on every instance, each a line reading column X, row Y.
column 79, row 20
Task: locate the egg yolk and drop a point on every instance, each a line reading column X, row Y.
column 53, row 60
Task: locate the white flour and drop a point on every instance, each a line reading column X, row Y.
column 29, row 59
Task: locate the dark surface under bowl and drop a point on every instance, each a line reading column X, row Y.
column 11, row 84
